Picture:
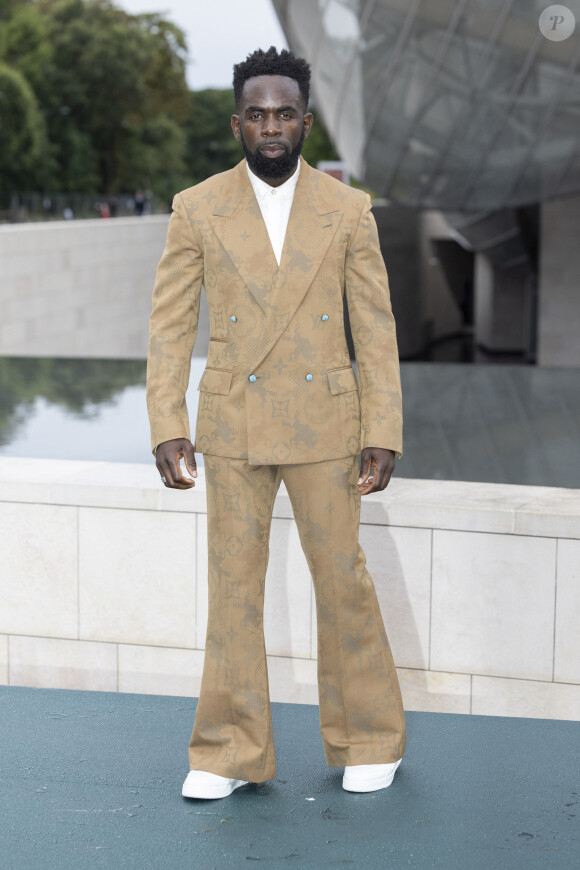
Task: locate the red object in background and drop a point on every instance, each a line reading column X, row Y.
column 337, row 168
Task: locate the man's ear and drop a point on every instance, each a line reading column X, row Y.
column 236, row 127
column 308, row 120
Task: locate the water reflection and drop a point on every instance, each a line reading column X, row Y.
column 499, row 424
column 77, row 408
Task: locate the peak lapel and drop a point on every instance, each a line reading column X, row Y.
column 314, row 219
column 238, row 223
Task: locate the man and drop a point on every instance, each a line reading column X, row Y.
column 277, row 244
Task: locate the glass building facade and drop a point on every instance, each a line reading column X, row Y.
column 457, row 105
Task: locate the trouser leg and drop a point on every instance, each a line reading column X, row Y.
column 361, row 712
column 232, row 734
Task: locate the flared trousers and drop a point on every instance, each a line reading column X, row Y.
column 361, row 712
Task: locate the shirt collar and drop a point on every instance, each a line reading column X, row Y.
column 262, row 189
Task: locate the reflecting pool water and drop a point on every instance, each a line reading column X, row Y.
column 500, row 424
column 78, row 409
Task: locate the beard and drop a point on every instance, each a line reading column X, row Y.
column 273, row 167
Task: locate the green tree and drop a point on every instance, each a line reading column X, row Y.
column 25, row 43
column 210, row 144
column 110, row 89
column 127, row 88
column 22, row 131
column 95, row 100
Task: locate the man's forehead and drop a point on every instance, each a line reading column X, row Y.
column 273, row 90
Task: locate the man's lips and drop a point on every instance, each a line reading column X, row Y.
column 273, row 150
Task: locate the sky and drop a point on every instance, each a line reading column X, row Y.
column 219, row 33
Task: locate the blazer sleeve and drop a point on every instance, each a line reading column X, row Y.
column 173, row 328
column 374, row 336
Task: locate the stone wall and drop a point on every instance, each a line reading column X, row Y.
column 103, row 586
column 78, row 288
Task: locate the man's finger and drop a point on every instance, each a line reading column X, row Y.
column 179, row 479
column 383, row 476
column 165, row 473
column 190, row 462
column 365, row 471
column 171, row 474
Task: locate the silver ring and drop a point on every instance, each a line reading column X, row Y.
column 163, row 480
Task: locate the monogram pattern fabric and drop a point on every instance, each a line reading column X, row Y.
column 361, row 713
column 278, row 386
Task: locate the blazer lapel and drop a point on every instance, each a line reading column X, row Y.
column 314, row 219
column 238, row 223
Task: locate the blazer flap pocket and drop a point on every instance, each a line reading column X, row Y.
column 342, row 380
column 216, row 381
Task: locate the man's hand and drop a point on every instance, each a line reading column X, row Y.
column 382, row 463
column 168, row 456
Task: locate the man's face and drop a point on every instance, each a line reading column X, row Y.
column 272, row 126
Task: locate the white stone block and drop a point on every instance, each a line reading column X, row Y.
column 567, row 648
column 435, row 692
column 444, row 504
column 137, row 577
column 3, row 659
column 549, row 512
column 29, row 480
column 38, row 570
column 493, row 604
column 106, row 484
column 78, row 265
column 160, row 670
column 292, row 681
column 399, row 561
column 288, row 596
column 63, row 664
column 526, row 698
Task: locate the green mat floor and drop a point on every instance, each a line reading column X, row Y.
column 93, row 779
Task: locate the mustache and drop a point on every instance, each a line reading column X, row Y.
column 276, row 143
column 273, row 167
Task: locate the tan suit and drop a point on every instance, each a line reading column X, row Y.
column 280, row 401
column 217, row 238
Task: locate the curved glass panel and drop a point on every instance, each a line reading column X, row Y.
column 448, row 104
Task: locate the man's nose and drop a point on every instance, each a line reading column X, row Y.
column 271, row 126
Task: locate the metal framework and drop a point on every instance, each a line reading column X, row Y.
column 459, row 105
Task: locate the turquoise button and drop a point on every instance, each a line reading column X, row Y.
column 233, row 318
column 324, row 317
column 309, row 377
column 252, row 378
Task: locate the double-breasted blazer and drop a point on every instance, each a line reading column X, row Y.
column 278, row 386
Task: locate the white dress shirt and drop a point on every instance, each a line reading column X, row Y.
column 275, row 204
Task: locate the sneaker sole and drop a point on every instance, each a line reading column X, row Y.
column 370, row 784
column 212, row 792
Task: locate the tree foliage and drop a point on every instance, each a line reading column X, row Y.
column 93, row 99
column 21, row 129
column 109, row 89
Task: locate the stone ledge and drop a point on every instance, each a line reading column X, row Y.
column 434, row 504
column 80, row 224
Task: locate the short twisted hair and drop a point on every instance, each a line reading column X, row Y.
column 272, row 63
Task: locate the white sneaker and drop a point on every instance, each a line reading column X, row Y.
column 200, row 784
column 369, row 777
